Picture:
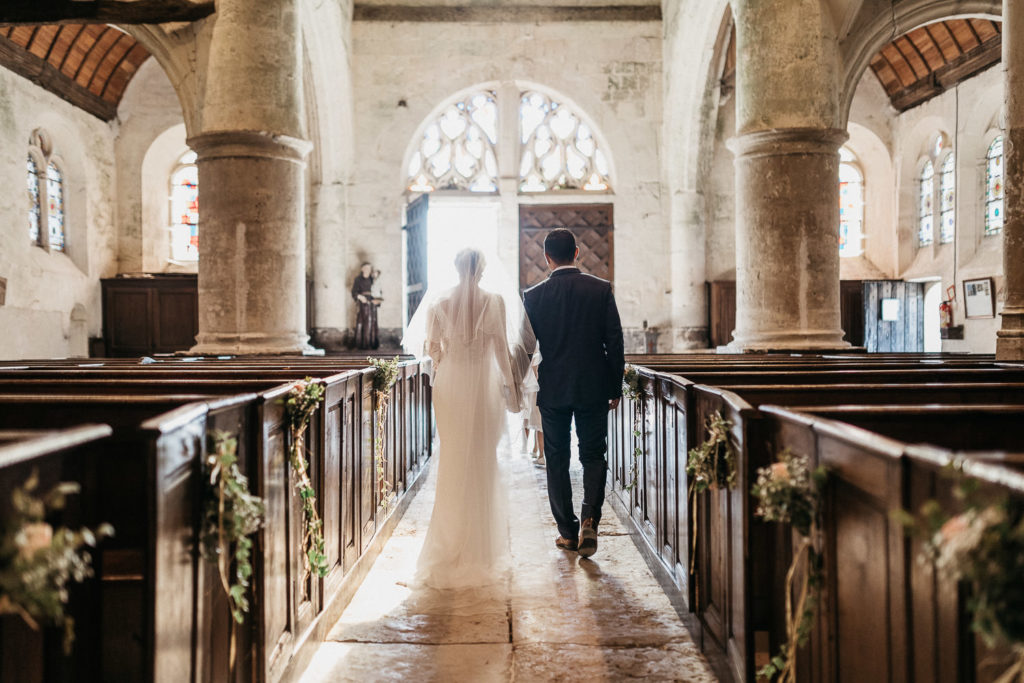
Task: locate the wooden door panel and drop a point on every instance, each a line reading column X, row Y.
column 591, row 224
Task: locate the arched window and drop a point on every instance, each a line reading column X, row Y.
column 185, row 209
column 457, row 149
column 947, row 199
column 55, row 206
column 926, row 210
column 851, row 205
column 45, row 193
column 35, row 206
column 994, row 188
column 559, row 151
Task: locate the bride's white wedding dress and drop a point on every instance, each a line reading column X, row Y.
column 477, row 379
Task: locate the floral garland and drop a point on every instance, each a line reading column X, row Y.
column 38, row 561
column 789, row 492
column 230, row 516
column 302, row 401
column 633, row 388
column 711, row 466
column 384, row 377
column 984, row 547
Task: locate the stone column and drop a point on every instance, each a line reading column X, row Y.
column 787, row 170
column 1010, row 339
column 251, row 158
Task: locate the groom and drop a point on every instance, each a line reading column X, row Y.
column 580, row 337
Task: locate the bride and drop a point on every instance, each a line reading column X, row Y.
column 479, row 342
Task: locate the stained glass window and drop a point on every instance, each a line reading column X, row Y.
column 34, row 205
column 559, row 151
column 851, row 205
column 457, row 149
column 947, row 199
column 55, row 206
column 926, row 211
column 994, row 188
column 185, row 209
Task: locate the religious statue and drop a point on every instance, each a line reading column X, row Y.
column 368, row 298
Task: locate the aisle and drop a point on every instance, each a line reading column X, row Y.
column 558, row 617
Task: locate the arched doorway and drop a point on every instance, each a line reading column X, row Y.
column 493, row 166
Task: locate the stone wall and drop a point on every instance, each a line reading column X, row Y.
column 52, row 300
column 610, row 71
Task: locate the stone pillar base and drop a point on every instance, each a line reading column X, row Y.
column 1010, row 339
column 253, row 344
column 784, row 340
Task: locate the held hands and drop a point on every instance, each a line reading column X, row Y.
column 614, row 403
column 362, row 299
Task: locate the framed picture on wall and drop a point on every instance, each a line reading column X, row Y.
column 980, row 298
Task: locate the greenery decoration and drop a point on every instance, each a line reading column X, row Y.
column 230, row 516
column 38, row 561
column 789, row 492
column 710, row 466
column 982, row 546
column 633, row 388
column 384, row 377
column 300, row 404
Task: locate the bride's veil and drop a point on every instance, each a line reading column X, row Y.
column 460, row 314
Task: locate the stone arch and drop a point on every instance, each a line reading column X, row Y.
column 176, row 55
column 879, row 28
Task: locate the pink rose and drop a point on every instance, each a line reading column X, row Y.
column 34, row 537
column 780, row 471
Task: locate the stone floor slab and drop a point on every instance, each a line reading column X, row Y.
column 538, row 662
column 365, row 663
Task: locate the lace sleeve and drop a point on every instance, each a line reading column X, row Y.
column 497, row 330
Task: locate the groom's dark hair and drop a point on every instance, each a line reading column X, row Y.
column 560, row 246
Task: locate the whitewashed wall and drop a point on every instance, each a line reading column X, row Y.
column 611, row 71
column 53, row 299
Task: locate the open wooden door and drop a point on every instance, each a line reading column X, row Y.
column 590, row 223
column 415, row 253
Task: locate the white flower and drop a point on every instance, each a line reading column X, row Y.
column 32, row 538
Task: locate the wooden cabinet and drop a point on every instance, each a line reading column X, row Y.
column 151, row 314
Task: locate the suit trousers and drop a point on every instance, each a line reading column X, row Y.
column 592, row 432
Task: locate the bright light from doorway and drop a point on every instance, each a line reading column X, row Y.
column 454, row 223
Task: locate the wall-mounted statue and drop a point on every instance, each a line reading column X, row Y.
column 367, row 297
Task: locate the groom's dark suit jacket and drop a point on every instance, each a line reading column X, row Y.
column 580, row 337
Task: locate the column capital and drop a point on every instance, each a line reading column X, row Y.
column 783, row 141
column 219, row 144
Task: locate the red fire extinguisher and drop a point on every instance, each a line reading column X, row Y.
column 946, row 314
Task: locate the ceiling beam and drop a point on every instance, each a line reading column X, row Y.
column 43, row 74
column 15, row 12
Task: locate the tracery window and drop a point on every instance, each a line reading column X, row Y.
column 457, row 149
column 185, row 209
column 947, row 199
column 851, row 205
column 926, row 211
column 46, row 192
column 559, row 151
column 35, row 207
column 994, row 188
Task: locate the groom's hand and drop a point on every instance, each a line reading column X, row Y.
column 614, row 403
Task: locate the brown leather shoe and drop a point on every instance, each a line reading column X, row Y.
column 588, row 538
column 565, row 543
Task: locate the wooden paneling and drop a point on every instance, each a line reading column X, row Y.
column 904, row 334
column 147, row 315
column 593, row 226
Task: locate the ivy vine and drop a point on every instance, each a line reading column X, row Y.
column 38, row 561
column 302, row 401
column 710, row 466
column 384, row 377
column 231, row 514
column 633, row 388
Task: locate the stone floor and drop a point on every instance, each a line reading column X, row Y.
column 558, row 617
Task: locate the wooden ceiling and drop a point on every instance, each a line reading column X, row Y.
column 89, row 65
column 931, row 59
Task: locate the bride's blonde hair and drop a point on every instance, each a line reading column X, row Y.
column 469, row 264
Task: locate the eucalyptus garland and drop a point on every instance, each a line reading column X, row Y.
column 38, row 561
column 231, row 514
column 301, row 403
column 710, row 466
column 789, row 492
column 633, row 388
column 384, row 377
column 982, row 546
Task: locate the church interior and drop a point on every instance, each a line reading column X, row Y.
column 217, row 463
